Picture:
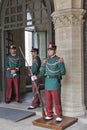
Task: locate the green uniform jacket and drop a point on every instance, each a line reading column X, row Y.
column 13, row 62
column 36, row 65
column 54, row 70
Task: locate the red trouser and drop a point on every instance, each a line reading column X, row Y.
column 50, row 97
column 35, row 99
column 15, row 81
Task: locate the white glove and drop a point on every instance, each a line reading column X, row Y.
column 14, row 74
column 34, row 77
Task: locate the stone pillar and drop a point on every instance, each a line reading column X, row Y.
column 68, row 24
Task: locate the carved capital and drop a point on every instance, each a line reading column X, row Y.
column 68, row 17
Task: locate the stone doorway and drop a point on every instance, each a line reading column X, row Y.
column 14, row 16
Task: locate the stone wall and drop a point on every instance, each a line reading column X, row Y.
column 0, row 64
column 85, row 54
column 0, row 51
column 64, row 4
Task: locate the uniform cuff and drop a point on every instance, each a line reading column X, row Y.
column 9, row 70
column 16, row 69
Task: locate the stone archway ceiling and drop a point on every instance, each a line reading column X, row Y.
column 14, row 14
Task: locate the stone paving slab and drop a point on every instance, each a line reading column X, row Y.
column 15, row 114
column 27, row 123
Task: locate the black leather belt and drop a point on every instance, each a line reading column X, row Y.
column 50, row 76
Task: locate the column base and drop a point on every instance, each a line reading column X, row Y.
column 74, row 111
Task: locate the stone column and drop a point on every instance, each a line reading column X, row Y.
column 68, row 25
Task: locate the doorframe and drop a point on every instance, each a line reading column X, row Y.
column 3, row 37
column 3, row 66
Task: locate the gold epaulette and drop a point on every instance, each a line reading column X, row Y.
column 60, row 59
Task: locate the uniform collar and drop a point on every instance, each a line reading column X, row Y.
column 53, row 56
column 13, row 54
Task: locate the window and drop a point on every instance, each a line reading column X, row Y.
column 28, row 47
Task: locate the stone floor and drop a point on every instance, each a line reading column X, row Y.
column 26, row 124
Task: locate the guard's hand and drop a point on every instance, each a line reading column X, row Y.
column 13, row 71
column 9, row 70
column 34, row 77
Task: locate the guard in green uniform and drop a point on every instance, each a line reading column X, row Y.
column 35, row 70
column 13, row 65
column 54, row 69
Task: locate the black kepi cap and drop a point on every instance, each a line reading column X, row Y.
column 34, row 49
column 12, row 47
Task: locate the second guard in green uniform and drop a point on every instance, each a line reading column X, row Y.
column 35, row 70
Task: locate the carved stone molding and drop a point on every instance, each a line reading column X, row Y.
column 68, row 17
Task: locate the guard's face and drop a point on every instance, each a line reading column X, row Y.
column 51, row 52
column 33, row 53
column 13, row 51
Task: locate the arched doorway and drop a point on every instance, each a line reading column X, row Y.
column 14, row 16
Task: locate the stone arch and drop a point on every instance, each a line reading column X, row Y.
column 14, row 14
